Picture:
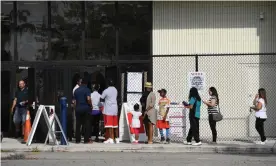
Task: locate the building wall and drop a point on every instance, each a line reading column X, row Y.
column 183, row 28
column 213, row 27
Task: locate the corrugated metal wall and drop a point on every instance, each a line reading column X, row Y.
column 218, row 28
column 213, row 27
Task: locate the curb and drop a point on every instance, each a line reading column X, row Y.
column 12, row 156
column 158, row 149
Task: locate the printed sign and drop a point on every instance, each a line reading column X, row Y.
column 177, row 120
column 134, row 82
column 197, row 80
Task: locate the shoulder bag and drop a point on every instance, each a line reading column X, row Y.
column 218, row 116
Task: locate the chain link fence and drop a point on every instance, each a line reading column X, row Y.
column 237, row 79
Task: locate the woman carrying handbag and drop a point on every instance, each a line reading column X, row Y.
column 213, row 111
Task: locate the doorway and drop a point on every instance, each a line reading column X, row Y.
column 6, row 97
column 11, row 76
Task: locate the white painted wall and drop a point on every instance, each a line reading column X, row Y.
column 218, row 27
column 213, row 27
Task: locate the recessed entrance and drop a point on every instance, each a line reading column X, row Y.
column 47, row 83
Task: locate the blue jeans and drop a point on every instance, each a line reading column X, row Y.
column 167, row 133
column 20, row 115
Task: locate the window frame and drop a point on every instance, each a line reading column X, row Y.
column 117, row 60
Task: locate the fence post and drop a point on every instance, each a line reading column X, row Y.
column 196, row 63
column 63, row 107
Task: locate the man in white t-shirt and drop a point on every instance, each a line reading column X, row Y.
column 77, row 85
column 110, row 112
column 73, row 100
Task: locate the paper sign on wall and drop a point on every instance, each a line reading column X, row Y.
column 197, row 80
column 134, row 82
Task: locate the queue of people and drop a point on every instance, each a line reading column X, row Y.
column 148, row 100
column 88, row 112
column 87, row 109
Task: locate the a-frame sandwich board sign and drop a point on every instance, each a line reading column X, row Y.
column 42, row 110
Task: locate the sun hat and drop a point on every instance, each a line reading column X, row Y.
column 148, row 85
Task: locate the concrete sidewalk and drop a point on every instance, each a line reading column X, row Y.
column 231, row 147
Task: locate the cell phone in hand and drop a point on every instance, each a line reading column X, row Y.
column 185, row 103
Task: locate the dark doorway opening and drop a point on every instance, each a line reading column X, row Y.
column 6, row 99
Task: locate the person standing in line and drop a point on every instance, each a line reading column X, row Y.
column 143, row 102
column 73, row 104
column 135, row 123
column 83, row 105
column 150, row 114
column 194, row 116
column 96, row 113
column 259, row 107
column 77, row 85
column 162, row 117
column 109, row 96
column 20, row 103
column 213, row 108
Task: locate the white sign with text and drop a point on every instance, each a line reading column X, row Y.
column 197, row 80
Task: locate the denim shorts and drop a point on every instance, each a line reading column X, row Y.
column 20, row 115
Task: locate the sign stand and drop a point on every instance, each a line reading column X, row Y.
column 51, row 119
column 42, row 110
column 53, row 132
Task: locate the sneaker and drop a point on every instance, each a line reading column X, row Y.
column 97, row 139
column 168, row 141
column 117, row 140
column 197, row 144
column 187, row 143
column 109, row 141
column 261, row 142
column 135, row 142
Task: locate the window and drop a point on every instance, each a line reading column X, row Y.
column 32, row 36
column 7, row 42
column 100, row 30
column 66, row 28
column 135, row 27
